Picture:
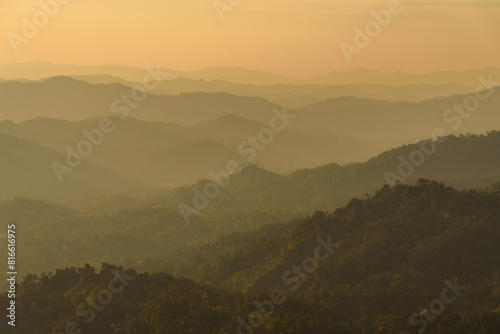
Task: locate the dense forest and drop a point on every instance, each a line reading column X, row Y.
column 149, row 233
column 260, row 167
column 396, row 251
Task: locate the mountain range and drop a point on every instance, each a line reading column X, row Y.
column 39, row 70
column 378, row 262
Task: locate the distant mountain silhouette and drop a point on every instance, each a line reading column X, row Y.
column 295, row 95
column 39, row 70
column 395, row 123
column 465, row 162
column 163, row 153
column 465, row 77
column 384, row 124
column 67, row 98
column 27, row 171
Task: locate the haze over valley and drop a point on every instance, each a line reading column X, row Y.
column 261, row 167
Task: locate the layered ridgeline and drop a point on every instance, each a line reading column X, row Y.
column 292, row 95
column 297, row 95
column 139, row 231
column 26, row 169
column 166, row 154
column 369, row 84
column 70, row 99
column 465, row 162
column 426, row 252
column 161, row 153
column 40, row 70
column 381, row 124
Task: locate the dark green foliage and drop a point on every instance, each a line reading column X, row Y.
column 396, row 249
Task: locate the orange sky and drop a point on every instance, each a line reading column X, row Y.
column 292, row 37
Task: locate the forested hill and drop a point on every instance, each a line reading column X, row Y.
column 127, row 230
column 465, row 161
column 148, row 303
column 395, row 251
column 428, row 230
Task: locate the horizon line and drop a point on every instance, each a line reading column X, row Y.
column 259, row 70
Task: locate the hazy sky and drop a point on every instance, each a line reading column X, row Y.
column 292, row 37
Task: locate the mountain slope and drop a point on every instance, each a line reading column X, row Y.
column 27, row 171
column 69, row 99
column 166, row 153
column 382, row 124
column 289, row 149
column 391, row 124
column 463, row 161
column 147, row 303
column 395, row 253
